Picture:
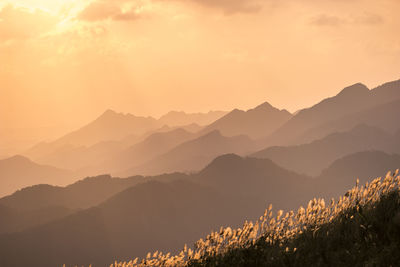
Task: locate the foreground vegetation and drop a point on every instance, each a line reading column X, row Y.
column 362, row 228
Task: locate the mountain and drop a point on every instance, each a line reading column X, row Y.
column 365, row 166
column 100, row 134
column 154, row 145
column 163, row 216
column 350, row 100
column 18, row 172
column 109, row 126
column 194, row 154
column 384, row 116
column 255, row 123
column 312, row 158
column 156, row 215
column 14, row 220
column 82, row 194
column 76, row 158
column 180, row 118
column 259, row 178
column 67, row 154
column 40, row 204
column 149, row 216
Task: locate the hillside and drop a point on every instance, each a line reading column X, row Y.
column 260, row 178
column 125, row 217
column 165, row 216
column 361, row 165
column 361, row 229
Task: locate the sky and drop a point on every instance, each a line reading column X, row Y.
column 63, row 62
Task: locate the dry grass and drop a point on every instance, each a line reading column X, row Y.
column 284, row 239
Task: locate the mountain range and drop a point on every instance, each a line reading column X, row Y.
column 255, row 123
column 117, row 218
column 312, row 158
column 187, row 174
column 354, row 105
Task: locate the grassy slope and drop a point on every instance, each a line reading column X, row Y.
column 362, row 228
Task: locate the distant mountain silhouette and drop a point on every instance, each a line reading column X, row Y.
column 349, row 101
column 255, row 123
column 312, row 158
column 151, row 147
column 180, row 118
column 194, row 154
column 110, row 126
column 66, row 154
column 18, row 172
column 343, row 173
column 384, row 116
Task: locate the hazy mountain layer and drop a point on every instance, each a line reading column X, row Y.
column 179, row 118
column 18, row 172
column 349, row 102
column 194, row 154
column 255, row 123
column 312, row 158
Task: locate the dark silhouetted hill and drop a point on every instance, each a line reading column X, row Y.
column 82, row 194
column 260, row 178
column 154, row 215
column 343, row 173
column 43, row 203
column 14, row 220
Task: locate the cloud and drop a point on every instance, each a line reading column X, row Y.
column 103, row 10
column 327, row 20
column 116, row 9
column 369, row 19
column 233, row 6
column 330, row 20
column 17, row 23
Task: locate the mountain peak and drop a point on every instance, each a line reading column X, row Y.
column 265, row 105
column 223, row 161
column 354, row 90
column 19, row 159
column 109, row 112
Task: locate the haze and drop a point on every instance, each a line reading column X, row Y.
column 64, row 62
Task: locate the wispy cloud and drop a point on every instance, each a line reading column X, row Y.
column 332, row 20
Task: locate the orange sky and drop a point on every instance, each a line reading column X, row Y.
column 63, row 62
